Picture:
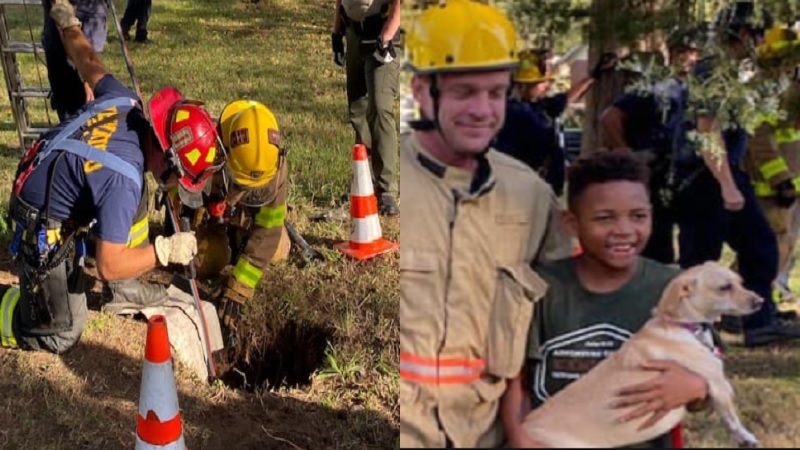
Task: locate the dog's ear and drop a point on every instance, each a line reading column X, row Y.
column 689, row 287
column 679, row 289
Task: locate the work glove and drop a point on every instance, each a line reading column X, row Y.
column 229, row 311
column 337, row 45
column 785, row 194
column 384, row 51
column 607, row 62
column 63, row 14
column 179, row 248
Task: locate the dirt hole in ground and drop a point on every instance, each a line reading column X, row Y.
column 295, row 353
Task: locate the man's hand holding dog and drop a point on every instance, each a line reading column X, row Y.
column 673, row 388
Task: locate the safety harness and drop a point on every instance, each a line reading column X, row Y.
column 44, row 243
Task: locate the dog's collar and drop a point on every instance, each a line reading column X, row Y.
column 695, row 328
column 703, row 332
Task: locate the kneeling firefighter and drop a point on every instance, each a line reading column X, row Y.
column 240, row 219
column 85, row 174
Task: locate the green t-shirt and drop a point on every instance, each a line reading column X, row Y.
column 576, row 329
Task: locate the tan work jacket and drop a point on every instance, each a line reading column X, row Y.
column 467, row 291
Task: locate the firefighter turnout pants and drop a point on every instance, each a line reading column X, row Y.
column 20, row 315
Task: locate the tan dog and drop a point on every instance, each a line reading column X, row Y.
column 581, row 416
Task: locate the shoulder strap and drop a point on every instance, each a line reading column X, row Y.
column 64, row 141
column 81, row 120
column 108, row 160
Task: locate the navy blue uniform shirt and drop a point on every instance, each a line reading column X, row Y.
column 83, row 190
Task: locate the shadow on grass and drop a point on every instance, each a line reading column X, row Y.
column 781, row 362
column 100, row 412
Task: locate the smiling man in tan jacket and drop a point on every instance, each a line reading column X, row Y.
column 475, row 221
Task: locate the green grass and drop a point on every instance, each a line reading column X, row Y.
column 337, row 325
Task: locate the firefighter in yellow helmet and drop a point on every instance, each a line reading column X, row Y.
column 240, row 220
column 773, row 159
column 533, row 129
column 477, row 220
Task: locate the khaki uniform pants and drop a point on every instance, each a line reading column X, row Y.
column 371, row 93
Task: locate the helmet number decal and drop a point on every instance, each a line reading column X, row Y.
column 274, row 137
column 240, row 137
column 182, row 138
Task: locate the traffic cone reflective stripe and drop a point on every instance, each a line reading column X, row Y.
column 366, row 237
column 159, row 423
column 362, row 182
column 366, row 233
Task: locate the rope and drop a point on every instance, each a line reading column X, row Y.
column 36, row 58
column 126, row 55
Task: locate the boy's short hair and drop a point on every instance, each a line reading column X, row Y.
column 604, row 167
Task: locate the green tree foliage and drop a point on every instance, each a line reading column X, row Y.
column 627, row 25
column 633, row 18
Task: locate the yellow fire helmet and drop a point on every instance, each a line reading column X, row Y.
column 530, row 69
column 252, row 138
column 461, row 36
column 777, row 38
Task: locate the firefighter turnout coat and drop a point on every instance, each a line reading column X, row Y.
column 467, row 290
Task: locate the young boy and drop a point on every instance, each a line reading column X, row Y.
column 597, row 300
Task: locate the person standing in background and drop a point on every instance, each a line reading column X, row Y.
column 369, row 27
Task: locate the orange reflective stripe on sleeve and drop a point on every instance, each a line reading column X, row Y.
column 441, row 371
column 445, row 362
column 433, row 379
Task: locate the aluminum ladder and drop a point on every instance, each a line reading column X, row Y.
column 18, row 91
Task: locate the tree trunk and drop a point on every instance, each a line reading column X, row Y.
column 609, row 18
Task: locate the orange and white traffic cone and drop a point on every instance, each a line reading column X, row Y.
column 159, row 424
column 366, row 237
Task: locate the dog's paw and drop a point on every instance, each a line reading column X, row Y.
column 745, row 439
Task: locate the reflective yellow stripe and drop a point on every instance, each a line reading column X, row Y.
column 7, row 306
column 778, row 45
column 54, row 236
column 774, row 167
column 247, row 274
column 763, row 189
column 271, row 217
column 140, row 231
column 771, row 119
column 139, row 239
column 787, row 135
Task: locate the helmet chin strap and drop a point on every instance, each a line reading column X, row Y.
column 426, row 124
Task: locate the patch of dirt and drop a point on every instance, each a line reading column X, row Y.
column 88, row 399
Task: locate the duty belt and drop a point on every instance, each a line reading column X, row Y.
column 369, row 28
column 42, row 245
